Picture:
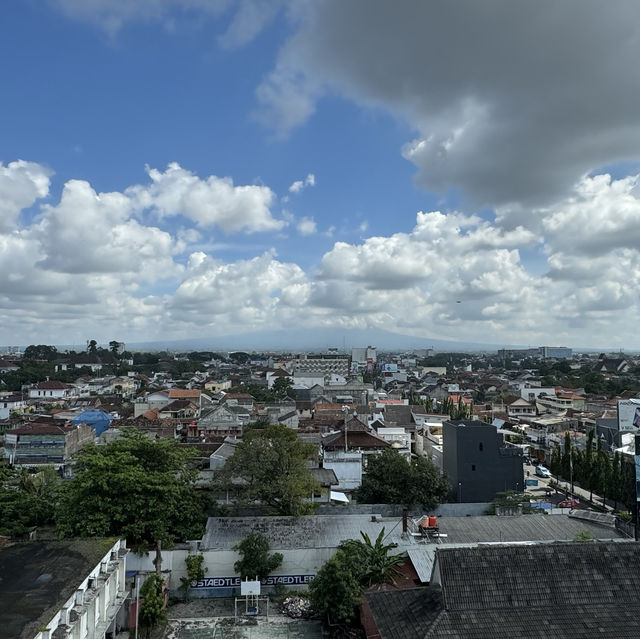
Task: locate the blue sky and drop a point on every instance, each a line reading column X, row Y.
column 485, row 153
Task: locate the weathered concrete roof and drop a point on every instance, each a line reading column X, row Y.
column 311, row 531
column 37, row 577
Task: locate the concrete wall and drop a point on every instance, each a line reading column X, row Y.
column 298, row 567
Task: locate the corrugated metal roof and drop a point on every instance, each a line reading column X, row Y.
column 423, row 557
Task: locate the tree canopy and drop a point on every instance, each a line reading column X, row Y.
column 270, row 465
column 392, row 479
column 26, row 500
column 358, row 564
column 135, row 487
column 40, row 351
column 282, row 388
column 152, row 609
column 256, row 560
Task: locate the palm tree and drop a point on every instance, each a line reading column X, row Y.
column 378, row 566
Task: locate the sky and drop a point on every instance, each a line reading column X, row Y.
column 174, row 169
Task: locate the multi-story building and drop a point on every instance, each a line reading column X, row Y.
column 364, row 356
column 45, row 443
column 555, row 352
column 63, row 589
column 324, row 364
column 477, row 462
column 543, row 352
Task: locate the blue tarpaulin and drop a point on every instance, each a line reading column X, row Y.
column 97, row 419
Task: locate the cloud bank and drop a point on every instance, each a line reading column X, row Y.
column 119, row 263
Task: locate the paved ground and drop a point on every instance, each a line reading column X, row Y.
column 214, row 619
column 219, row 629
column 546, row 488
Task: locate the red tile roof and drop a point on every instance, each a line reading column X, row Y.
column 51, row 385
column 36, row 428
column 184, row 393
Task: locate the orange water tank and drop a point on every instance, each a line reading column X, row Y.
column 433, row 522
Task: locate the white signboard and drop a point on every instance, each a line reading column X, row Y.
column 10, row 439
column 629, row 415
column 250, row 588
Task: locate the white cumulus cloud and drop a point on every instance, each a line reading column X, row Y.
column 213, row 201
column 21, row 184
column 307, row 226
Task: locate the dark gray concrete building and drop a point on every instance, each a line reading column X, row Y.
column 478, row 463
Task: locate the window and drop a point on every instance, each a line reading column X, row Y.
column 481, row 447
column 473, row 467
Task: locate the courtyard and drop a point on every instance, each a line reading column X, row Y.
column 215, row 619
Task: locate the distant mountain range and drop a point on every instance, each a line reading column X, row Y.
column 311, row 339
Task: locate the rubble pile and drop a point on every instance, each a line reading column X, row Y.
column 297, row 607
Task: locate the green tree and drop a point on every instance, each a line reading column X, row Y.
column 594, row 383
column 337, row 588
column 556, row 461
column 255, row 559
column 27, row 500
column 617, row 486
column 392, row 479
column 195, row 572
column 282, row 388
column 152, row 609
column 240, row 357
column 92, row 347
column 566, row 456
column 40, row 352
column 377, row 566
column 270, row 465
column 134, row 487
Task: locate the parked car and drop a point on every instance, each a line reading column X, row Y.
column 541, row 471
column 569, row 503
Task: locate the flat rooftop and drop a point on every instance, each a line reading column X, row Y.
column 483, row 529
column 327, row 531
column 37, row 577
column 311, row 531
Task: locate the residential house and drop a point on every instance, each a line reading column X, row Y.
column 517, row 407
column 577, row 590
column 193, row 395
column 326, row 480
column 150, row 401
column 51, row 390
column 559, row 403
column 11, row 402
column 285, row 413
column 347, row 450
column 216, row 385
column 399, row 439
column 8, row 366
column 239, row 399
column 178, row 409
column 278, row 373
column 222, row 420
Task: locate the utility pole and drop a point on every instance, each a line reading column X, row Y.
column 345, row 410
